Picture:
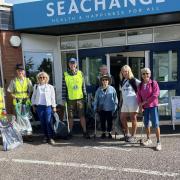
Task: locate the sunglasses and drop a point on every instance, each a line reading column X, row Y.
column 42, row 77
column 145, row 73
column 105, row 80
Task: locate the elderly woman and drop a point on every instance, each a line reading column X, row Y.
column 148, row 92
column 105, row 104
column 43, row 101
column 128, row 88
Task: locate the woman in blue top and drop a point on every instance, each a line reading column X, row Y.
column 105, row 104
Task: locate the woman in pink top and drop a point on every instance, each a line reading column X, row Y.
column 147, row 95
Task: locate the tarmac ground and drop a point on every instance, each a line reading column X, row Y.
column 97, row 159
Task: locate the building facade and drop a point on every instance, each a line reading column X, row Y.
column 10, row 55
column 141, row 33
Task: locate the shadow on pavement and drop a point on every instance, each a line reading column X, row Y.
column 168, row 129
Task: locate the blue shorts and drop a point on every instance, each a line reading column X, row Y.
column 151, row 113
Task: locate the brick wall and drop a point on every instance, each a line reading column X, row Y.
column 10, row 56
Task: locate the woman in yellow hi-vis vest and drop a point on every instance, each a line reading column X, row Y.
column 20, row 87
column 2, row 102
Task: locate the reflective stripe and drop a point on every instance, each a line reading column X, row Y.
column 21, row 92
column 27, row 101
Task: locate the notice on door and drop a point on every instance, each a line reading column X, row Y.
column 175, row 102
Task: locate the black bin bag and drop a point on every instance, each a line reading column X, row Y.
column 59, row 127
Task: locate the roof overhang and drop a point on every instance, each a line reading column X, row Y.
column 77, row 16
column 127, row 23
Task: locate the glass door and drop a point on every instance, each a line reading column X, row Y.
column 136, row 60
column 165, row 72
column 90, row 67
column 116, row 62
column 136, row 64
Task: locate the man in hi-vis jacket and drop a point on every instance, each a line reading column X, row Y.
column 74, row 93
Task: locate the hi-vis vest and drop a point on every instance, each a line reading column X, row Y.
column 21, row 89
column 2, row 105
column 74, row 85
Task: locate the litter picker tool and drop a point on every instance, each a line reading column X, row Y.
column 67, row 118
column 95, row 124
column 142, row 128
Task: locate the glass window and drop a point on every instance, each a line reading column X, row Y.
column 165, row 66
column 140, row 36
column 6, row 20
column 65, row 56
column 136, row 64
column 39, row 61
column 68, row 42
column 167, row 33
column 89, row 40
column 165, row 102
column 113, row 38
column 90, row 68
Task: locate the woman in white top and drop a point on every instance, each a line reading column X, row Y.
column 43, row 101
column 128, row 88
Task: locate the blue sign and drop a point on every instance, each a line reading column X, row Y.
column 59, row 12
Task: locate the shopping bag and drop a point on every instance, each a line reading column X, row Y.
column 59, row 127
column 11, row 136
column 23, row 113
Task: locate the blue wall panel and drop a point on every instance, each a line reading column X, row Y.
column 53, row 12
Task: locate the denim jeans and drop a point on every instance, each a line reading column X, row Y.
column 151, row 113
column 44, row 114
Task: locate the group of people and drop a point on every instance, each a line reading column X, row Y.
column 136, row 96
column 139, row 96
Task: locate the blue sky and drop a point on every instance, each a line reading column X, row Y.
column 18, row 1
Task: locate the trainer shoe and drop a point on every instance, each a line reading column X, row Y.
column 86, row 135
column 131, row 139
column 158, row 146
column 147, row 142
column 109, row 136
column 125, row 138
column 52, row 142
column 29, row 133
column 103, row 135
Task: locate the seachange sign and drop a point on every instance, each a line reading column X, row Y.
column 58, row 12
column 84, row 6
